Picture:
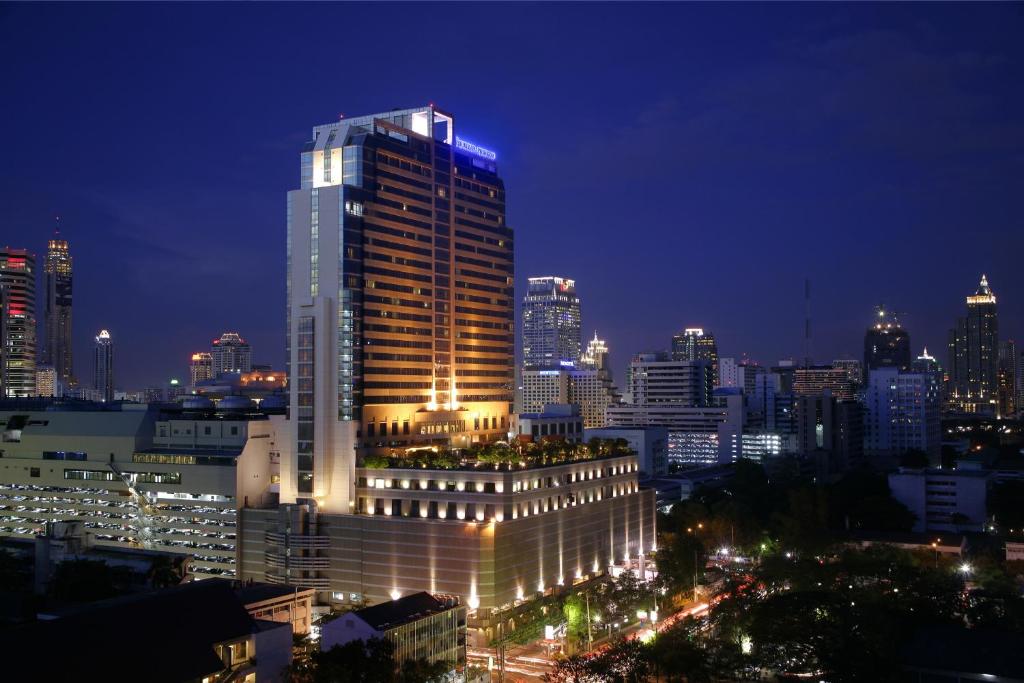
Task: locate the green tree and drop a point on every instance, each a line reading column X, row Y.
column 87, row 581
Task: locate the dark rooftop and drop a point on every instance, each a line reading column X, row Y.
column 164, row 636
column 258, row 592
column 388, row 615
column 951, row 648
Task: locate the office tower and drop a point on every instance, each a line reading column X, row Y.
column 591, row 390
column 57, row 346
column 831, row 431
column 200, row 368
column 974, row 354
column 694, row 343
column 596, row 355
column 230, row 353
column 551, row 323
column 902, row 412
column 813, row 380
column 853, row 368
column 1007, row 378
column 46, row 381
column 401, row 290
column 18, row 362
column 926, row 363
column 103, row 366
column 886, row 343
column 656, row 378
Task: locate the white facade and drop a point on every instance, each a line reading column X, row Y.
column 902, row 411
column 943, row 500
column 696, row 435
column 134, row 481
column 591, row 390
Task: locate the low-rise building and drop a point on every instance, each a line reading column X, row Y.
column 138, row 478
column 420, row 626
column 560, row 420
column 197, row 631
column 494, row 535
column 943, row 500
column 649, row 443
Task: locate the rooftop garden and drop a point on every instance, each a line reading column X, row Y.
column 503, row 456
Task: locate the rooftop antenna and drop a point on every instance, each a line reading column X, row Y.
column 807, row 322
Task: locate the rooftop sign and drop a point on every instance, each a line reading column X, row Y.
column 477, row 150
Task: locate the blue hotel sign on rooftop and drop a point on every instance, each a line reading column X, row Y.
column 479, row 151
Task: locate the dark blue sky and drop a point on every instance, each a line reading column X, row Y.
column 687, row 164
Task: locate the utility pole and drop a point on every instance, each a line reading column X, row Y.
column 590, row 636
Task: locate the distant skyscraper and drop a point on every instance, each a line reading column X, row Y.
column 103, row 366
column 974, row 354
column 596, row 355
column 18, row 321
column 1008, row 378
column 817, row 378
column 57, row 351
column 46, row 381
column 694, row 343
column 230, row 353
column 886, row 343
column 551, row 323
column 200, row 367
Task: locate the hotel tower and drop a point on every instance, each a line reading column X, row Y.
column 400, row 297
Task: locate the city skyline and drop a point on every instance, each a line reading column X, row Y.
column 134, row 235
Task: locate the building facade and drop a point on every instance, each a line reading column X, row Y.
column 943, row 500
column 551, row 323
column 974, row 354
column 17, row 322
column 103, row 366
column 886, row 343
column 137, row 478
column 902, row 412
column 695, row 344
column 230, row 354
column 57, row 343
column 657, row 378
column 200, row 368
column 1008, row 379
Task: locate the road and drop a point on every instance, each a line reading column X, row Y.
column 528, row 663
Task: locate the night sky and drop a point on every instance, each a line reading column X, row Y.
column 688, row 165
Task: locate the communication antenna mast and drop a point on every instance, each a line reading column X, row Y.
column 807, row 322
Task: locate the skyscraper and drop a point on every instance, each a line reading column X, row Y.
column 974, row 354
column 551, row 323
column 596, row 355
column 694, row 343
column 1008, row 378
column 230, row 353
column 103, row 366
column 886, row 343
column 400, row 290
column 18, row 314
column 57, row 351
column 200, row 367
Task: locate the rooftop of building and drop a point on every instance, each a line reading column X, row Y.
column 909, row 538
column 980, row 651
column 388, row 615
column 250, row 593
column 163, row 636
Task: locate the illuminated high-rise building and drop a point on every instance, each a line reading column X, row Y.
column 596, row 355
column 551, row 323
column 103, row 366
column 57, row 351
column 200, row 368
column 886, row 343
column 974, row 354
column 694, row 343
column 400, row 319
column 230, row 353
column 17, row 323
column 1008, row 372
column 400, row 290
column 46, row 381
